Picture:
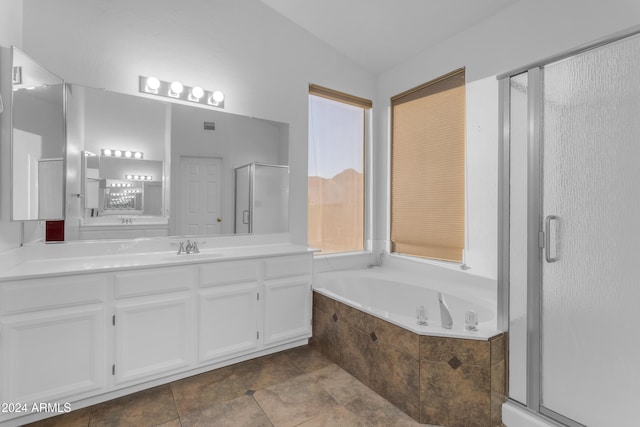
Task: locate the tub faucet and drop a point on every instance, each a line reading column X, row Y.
column 445, row 313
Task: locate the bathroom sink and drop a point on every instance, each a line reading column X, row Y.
column 187, row 257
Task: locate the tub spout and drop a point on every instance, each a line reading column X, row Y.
column 445, row 313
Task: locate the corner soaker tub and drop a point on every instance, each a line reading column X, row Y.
column 365, row 321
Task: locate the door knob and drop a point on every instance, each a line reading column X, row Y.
column 219, row 219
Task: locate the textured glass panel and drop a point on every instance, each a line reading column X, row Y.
column 518, row 238
column 271, row 198
column 590, row 344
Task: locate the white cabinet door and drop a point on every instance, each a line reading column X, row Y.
column 53, row 355
column 228, row 323
column 153, row 337
column 287, row 309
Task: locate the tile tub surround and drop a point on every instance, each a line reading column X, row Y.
column 451, row 382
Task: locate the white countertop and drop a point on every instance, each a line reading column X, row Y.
column 125, row 257
column 124, row 221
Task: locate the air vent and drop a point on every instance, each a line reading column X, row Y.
column 209, row 126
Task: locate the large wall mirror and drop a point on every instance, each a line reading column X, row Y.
column 38, row 141
column 155, row 168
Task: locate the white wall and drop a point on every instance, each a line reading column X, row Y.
column 120, row 122
column 10, row 34
column 261, row 60
column 11, row 23
column 523, row 33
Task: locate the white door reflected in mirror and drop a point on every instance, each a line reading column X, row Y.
column 201, row 196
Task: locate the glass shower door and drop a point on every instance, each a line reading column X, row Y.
column 590, row 348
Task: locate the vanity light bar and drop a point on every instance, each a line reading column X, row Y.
column 138, row 177
column 121, row 196
column 125, row 154
column 176, row 90
column 121, row 184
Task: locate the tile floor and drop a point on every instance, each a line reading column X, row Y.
column 297, row 387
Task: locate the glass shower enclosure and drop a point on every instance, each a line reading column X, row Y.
column 261, row 198
column 570, row 274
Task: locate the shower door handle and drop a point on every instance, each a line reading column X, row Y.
column 547, row 243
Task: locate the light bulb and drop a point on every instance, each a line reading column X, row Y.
column 152, row 85
column 137, row 155
column 197, row 92
column 176, row 89
column 127, row 154
column 218, row 96
column 106, row 152
column 118, row 153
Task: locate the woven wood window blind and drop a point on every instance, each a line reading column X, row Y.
column 427, row 169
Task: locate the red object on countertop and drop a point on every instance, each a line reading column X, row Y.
column 55, row 231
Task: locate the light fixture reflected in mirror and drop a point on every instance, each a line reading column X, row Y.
column 133, row 177
column 176, row 90
column 125, row 154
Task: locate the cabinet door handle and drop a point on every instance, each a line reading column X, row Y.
column 547, row 243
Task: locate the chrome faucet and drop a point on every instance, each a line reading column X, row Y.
column 192, row 248
column 445, row 313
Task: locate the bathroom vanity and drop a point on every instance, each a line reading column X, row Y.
column 81, row 330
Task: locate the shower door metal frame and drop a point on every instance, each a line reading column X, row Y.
column 252, row 184
column 535, row 226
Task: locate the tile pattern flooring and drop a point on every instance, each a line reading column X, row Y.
column 297, row 387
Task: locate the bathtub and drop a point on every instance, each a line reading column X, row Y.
column 365, row 321
column 393, row 296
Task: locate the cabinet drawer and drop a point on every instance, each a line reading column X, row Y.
column 159, row 280
column 222, row 273
column 297, row 265
column 37, row 294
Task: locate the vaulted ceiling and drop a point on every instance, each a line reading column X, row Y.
column 379, row 34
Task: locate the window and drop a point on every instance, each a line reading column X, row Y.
column 336, row 170
column 427, row 169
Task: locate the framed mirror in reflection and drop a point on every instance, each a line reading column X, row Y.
column 121, row 186
column 38, row 141
column 185, row 183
